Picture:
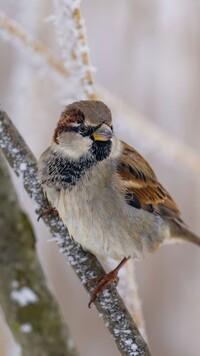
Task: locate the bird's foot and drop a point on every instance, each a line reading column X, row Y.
column 46, row 212
column 102, row 284
column 104, row 281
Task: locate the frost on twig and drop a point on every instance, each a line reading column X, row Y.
column 27, row 304
column 41, row 55
column 71, row 33
column 110, row 306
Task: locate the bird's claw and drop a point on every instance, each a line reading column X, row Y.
column 103, row 282
column 47, row 212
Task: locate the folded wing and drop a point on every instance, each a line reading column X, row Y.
column 143, row 191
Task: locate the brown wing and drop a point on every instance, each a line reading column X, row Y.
column 142, row 187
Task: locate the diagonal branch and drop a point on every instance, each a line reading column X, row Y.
column 110, row 306
column 23, row 290
column 12, row 30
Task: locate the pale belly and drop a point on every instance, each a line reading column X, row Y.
column 114, row 230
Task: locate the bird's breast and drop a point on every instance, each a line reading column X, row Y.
column 105, row 225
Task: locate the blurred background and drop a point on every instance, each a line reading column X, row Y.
column 148, row 54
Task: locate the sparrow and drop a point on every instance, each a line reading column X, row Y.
column 105, row 192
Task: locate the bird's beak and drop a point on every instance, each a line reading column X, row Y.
column 103, row 133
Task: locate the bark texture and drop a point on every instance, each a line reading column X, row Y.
column 28, row 306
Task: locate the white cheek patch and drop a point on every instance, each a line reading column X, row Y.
column 74, row 145
column 116, row 148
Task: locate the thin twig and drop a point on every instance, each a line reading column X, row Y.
column 109, row 304
column 13, row 30
column 71, row 34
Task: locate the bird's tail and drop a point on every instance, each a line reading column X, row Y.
column 180, row 232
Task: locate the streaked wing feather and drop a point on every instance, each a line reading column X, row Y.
column 142, row 187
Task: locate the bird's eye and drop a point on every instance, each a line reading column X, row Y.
column 82, row 129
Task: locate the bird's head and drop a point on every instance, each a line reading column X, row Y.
column 85, row 127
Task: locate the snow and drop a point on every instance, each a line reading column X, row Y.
column 26, row 328
column 14, row 284
column 24, row 296
column 129, row 342
column 23, row 166
column 134, row 347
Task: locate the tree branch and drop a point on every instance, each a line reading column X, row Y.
column 109, row 304
column 27, row 304
column 71, row 35
column 12, row 30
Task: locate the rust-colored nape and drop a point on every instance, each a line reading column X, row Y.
column 68, row 117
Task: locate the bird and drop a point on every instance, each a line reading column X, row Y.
column 105, row 192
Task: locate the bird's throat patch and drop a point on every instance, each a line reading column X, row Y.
column 101, row 150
